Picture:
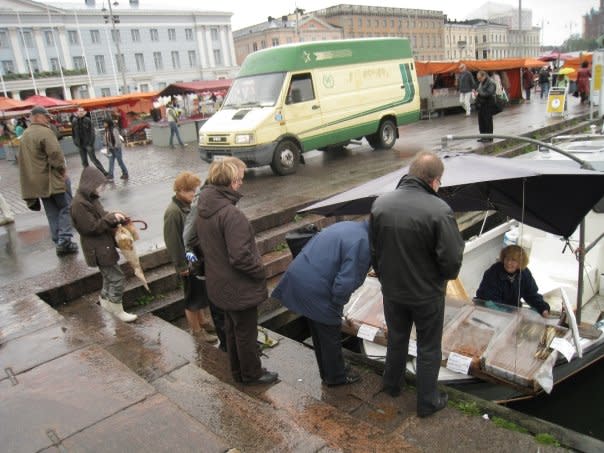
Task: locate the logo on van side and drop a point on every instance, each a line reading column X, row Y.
column 328, row 80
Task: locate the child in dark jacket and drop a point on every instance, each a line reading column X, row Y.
column 96, row 228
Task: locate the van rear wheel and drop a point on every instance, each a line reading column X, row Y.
column 286, row 158
column 385, row 137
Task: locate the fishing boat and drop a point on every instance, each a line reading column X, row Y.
column 505, row 353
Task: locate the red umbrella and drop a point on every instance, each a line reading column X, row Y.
column 47, row 102
column 13, row 104
column 554, row 55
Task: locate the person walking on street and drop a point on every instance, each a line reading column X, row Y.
column 583, row 77
column 235, row 275
column 195, row 293
column 317, row 285
column 466, row 84
column 82, row 131
column 485, row 103
column 416, row 247
column 527, row 83
column 97, row 236
column 113, row 143
column 173, row 115
column 43, row 175
column 544, row 82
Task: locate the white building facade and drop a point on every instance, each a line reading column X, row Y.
column 73, row 53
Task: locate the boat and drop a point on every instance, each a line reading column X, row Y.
column 504, row 353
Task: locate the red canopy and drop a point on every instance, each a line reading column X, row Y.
column 49, row 103
column 7, row 104
column 444, row 67
column 196, row 87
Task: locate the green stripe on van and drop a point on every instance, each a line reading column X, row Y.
column 305, row 56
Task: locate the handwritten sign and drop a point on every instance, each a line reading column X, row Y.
column 564, row 347
column 367, row 332
column 459, row 363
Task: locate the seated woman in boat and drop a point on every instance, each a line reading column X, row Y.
column 509, row 279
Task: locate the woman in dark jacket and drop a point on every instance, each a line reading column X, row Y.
column 97, row 228
column 113, row 143
column 485, row 103
column 509, row 280
column 235, row 276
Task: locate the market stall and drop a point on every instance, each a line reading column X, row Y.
column 437, row 79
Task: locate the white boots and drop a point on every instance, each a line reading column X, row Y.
column 117, row 310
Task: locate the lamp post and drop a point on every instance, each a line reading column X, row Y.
column 121, row 60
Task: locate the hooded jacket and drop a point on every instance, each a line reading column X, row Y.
column 235, row 275
column 95, row 225
column 320, row 280
column 174, row 224
column 416, row 245
column 41, row 163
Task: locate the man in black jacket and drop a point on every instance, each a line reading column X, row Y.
column 416, row 247
column 82, row 131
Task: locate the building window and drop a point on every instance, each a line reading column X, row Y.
column 189, row 34
column 120, row 61
column 255, row 46
column 105, row 92
column 275, row 42
column 33, row 64
column 161, row 85
column 78, row 63
column 99, row 61
column 8, row 67
column 95, row 36
column 27, row 39
column 73, row 37
column 172, row 34
column 157, row 60
column 154, row 34
column 115, row 36
column 3, row 39
column 136, row 35
column 192, row 58
column 217, row 57
column 140, row 62
column 49, row 38
column 214, row 33
column 144, row 87
column 175, row 59
column 263, row 44
column 54, row 64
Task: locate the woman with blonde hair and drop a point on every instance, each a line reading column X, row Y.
column 195, row 294
column 509, row 280
column 235, row 275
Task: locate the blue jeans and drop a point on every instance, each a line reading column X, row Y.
column 174, row 131
column 544, row 90
column 114, row 154
column 57, row 212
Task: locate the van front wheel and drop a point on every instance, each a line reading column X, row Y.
column 385, row 137
column 286, row 158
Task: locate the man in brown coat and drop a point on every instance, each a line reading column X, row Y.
column 43, row 176
column 235, row 276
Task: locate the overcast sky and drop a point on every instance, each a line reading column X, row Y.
column 560, row 18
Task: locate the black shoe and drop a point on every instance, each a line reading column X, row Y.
column 268, row 377
column 351, row 378
column 441, row 404
column 124, row 177
column 391, row 390
column 65, row 248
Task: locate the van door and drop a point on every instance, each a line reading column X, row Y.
column 302, row 110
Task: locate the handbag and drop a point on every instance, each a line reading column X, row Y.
column 498, row 105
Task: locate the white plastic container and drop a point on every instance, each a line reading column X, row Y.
column 511, row 236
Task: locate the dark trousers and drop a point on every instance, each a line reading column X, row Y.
column 428, row 319
column 241, row 334
column 485, row 120
column 327, row 341
column 88, row 152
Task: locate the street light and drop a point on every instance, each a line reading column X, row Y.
column 121, row 60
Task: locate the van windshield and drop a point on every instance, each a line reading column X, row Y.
column 255, row 91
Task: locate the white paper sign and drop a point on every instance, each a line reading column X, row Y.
column 412, row 350
column 564, row 347
column 367, row 332
column 459, row 363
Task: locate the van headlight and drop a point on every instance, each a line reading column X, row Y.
column 244, row 139
column 202, row 139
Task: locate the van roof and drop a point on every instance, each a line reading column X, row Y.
column 318, row 54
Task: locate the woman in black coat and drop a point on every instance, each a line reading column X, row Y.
column 485, row 103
